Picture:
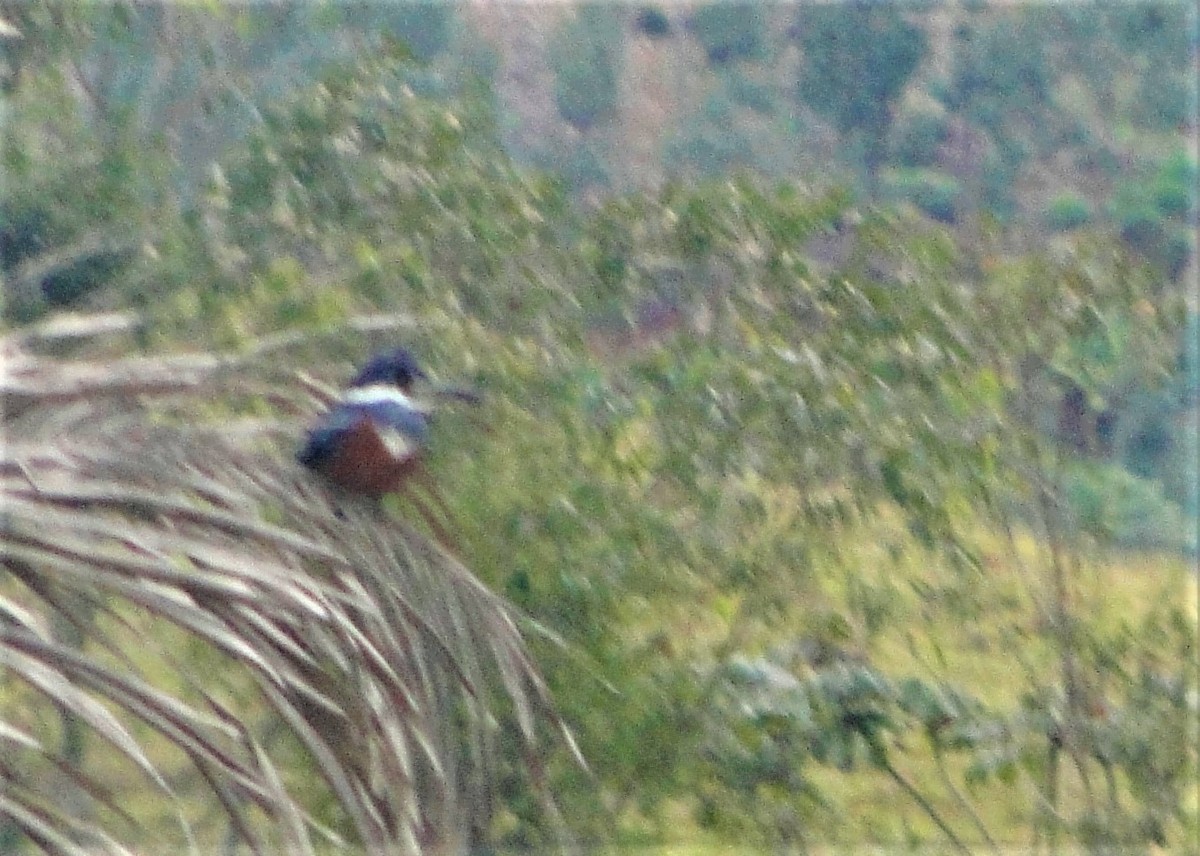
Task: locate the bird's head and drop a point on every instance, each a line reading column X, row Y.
column 399, row 368
column 396, row 367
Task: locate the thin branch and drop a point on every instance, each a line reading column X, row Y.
column 959, row 797
column 925, row 804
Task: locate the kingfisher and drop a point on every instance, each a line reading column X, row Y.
column 372, row 439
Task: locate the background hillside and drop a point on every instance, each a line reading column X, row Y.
column 1049, row 117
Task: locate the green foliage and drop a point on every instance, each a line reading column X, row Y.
column 1164, row 103
column 712, row 143
column 946, row 418
column 422, row 215
column 934, row 193
column 583, row 167
column 1154, row 213
column 586, row 58
column 1155, row 435
column 999, row 178
column 1174, row 186
column 730, row 31
column 109, row 223
column 1000, row 62
column 78, row 202
column 653, row 22
column 759, row 96
column 1001, row 82
column 916, row 139
column 425, row 28
column 1130, row 511
column 1066, row 212
column 1165, row 31
column 744, row 123
column 1138, row 209
column 857, row 59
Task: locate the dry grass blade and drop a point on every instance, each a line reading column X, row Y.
column 56, row 833
column 34, row 669
column 16, row 735
column 166, row 579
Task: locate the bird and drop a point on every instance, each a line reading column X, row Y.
column 372, row 439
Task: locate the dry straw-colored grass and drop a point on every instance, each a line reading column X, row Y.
column 371, row 643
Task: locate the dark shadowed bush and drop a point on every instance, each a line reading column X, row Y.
column 1067, row 212
column 730, row 31
column 586, row 58
column 934, row 193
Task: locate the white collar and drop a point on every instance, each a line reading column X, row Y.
column 380, row 393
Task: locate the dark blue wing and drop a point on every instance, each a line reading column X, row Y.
column 409, row 421
column 324, row 438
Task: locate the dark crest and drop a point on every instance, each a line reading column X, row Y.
column 397, row 366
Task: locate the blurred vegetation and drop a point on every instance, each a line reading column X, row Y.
column 1067, row 212
column 937, row 195
column 586, row 60
column 857, row 59
column 730, row 31
column 822, row 500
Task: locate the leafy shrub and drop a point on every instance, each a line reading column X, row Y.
column 1002, row 81
column 585, row 59
column 1109, row 501
column 934, row 193
column 1160, row 29
column 858, row 58
column 1164, row 244
column 730, row 31
column 1174, row 188
column 653, row 22
column 74, row 211
column 1179, row 473
column 711, row 142
column 748, row 92
column 916, row 139
column 425, row 28
column 1003, row 60
column 1097, row 157
column 1066, row 212
column 1176, row 250
column 1148, row 214
column 583, row 166
column 999, row 177
column 1163, row 102
column 707, row 150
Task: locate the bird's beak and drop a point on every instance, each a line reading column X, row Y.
column 458, row 393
